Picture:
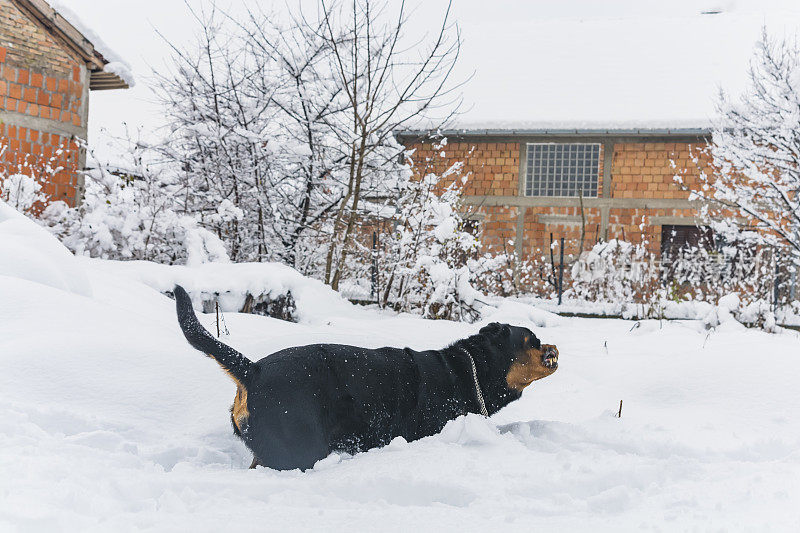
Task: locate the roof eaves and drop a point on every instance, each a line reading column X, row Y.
column 66, row 33
column 557, row 132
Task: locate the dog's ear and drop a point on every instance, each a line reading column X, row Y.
column 496, row 329
column 490, row 329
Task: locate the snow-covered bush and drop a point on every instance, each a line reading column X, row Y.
column 495, row 273
column 737, row 283
column 728, row 275
column 619, row 271
column 623, row 272
column 428, row 252
column 504, row 273
column 757, row 313
column 708, row 274
column 21, row 191
column 131, row 213
column 750, row 169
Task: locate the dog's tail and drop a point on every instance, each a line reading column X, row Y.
column 239, row 367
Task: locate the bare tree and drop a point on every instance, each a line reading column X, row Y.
column 218, row 133
column 281, row 127
column 388, row 84
column 752, row 189
column 295, row 58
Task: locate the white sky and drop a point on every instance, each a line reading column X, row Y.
column 536, row 63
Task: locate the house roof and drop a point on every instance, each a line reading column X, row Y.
column 558, row 132
column 103, row 72
column 583, row 65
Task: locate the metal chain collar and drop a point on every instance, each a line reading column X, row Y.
column 478, row 392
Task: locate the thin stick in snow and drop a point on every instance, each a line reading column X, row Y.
column 216, row 306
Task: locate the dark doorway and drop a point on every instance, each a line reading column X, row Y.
column 676, row 238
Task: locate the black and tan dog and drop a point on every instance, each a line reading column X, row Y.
column 298, row 405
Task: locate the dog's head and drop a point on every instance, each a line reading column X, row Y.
column 525, row 357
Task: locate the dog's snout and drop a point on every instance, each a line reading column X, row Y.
column 549, row 356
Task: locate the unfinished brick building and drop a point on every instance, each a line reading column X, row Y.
column 525, row 185
column 47, row 68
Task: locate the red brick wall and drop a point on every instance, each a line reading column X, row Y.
column 640, row 171
column 498, row 226
column 644, row 170
column 51, row 158
column 493, row 168
column 39, row 95
column 536, row 233
column 42, row 80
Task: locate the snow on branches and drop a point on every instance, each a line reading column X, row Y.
column 429, row 250
column 129, row 212
column 752, row 188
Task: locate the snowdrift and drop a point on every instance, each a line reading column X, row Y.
column 109, row 421
column 231, row 283
column 31, row 253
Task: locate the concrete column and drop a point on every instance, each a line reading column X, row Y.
column 523, row 165
column 80, row 179
column 605, row 209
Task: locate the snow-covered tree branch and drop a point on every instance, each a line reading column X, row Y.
column 752, row 186
column 389, row 84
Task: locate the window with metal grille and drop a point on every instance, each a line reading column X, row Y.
column 556, row 169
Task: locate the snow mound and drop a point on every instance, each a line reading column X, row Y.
column 232, row 282
column 30, row 252
column 731, row 312
column 471, row 429
column 518, row 313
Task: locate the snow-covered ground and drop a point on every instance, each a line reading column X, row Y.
column 109, row 421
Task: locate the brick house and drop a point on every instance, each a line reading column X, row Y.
column 47, row 68
column 525, row 185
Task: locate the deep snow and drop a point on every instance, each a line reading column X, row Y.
column 109, row 421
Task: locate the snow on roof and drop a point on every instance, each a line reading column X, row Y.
column 617, row 64
column 87, row 32
column 641, row 128
column 113, row 65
